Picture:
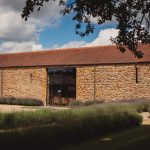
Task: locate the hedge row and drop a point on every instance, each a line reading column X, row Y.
column 20, row 101
column 98, row 113
column 61, row 127
column 141, row 105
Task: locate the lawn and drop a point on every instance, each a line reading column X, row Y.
column 137, row 138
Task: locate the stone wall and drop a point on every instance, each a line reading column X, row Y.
column 24, row 83
column 85, row 83
column 0, row 83
column 113, row 82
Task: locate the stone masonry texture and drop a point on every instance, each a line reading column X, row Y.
column 113, row 82
column 0, row 83
column 85, row 83
column 23, row 83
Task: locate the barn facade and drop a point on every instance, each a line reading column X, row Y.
column 91, row 73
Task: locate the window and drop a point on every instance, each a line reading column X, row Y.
column 62, row 82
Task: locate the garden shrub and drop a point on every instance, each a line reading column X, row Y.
column 20, row 101
column 149, row 111
column 25, row 119
column 59, row 127
column 75, row 103
column 146, row 105
column 140, row 105
column 97, row 115
column 80, row 103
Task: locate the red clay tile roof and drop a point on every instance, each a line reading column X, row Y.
column 73, row 56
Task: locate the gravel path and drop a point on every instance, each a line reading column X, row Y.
column 146, row 118
column 14, row 108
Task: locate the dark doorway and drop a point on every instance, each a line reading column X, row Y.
column 62, row 85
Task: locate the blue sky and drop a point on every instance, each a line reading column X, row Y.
column 46, row 29
column 64, row 32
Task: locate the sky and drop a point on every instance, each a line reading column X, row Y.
column 45, row 30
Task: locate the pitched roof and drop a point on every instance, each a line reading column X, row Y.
column 73, row 56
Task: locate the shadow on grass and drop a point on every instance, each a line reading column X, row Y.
column 128, row 139
column 137, row 138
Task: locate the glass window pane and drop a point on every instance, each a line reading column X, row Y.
column 62, row 82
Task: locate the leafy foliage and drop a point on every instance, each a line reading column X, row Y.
column 132, row 18
column 139, row 105
column 100, row 115
column 20, row 101
column 54, row 128
column 80, row 103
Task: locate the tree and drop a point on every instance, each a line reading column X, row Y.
column 132, row 18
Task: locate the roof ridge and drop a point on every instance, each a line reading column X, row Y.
column 73, row 56
column 56, row 50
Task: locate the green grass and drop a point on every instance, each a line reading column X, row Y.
column 137, row 138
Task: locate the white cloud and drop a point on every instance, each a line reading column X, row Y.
column 15, row 31
column 10, row 47
column 72, row 44
column 102, row 39
column 13, row 28
column 16, row 5
column 18, row 35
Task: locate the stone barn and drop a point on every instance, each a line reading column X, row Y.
column 91, row 73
